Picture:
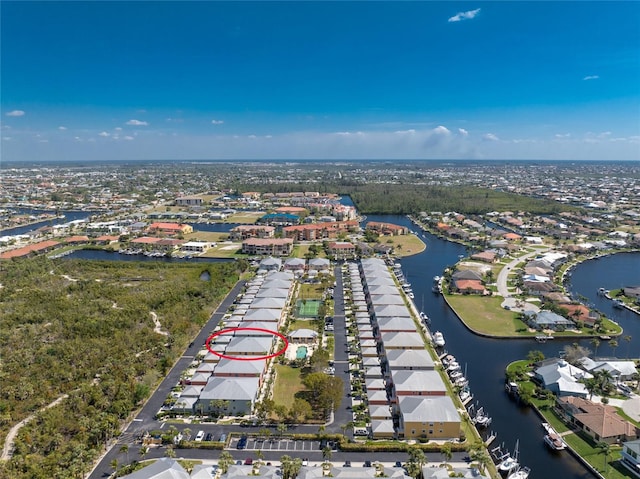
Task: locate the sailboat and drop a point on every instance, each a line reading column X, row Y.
column 520, row 473
column 509, row 463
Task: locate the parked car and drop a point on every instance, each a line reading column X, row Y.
column 248, row 461
column 347, row 464
column 200, row 436
column 367, row 464
column 242, row 442
column 223, row 437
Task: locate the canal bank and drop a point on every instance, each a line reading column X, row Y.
column 486, row 358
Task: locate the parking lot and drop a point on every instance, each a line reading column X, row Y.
column 254, row 444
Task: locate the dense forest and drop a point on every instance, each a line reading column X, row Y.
column 409, row 198
column 84, row 328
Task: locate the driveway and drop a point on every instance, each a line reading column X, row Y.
column 501, row 282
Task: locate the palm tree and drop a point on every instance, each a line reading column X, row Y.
column 125, row 448
column 614, row 344
column 114, row 464
column 591, row 385
column 187, row 433
column 445, row 450
column 595, row 342
column 327, row 453
column 170, row 452
column 627, row 338
column 417, row 460
column 144, row 450
column 224, row 461
column 605, row 448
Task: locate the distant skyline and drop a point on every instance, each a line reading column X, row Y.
column 320, row 80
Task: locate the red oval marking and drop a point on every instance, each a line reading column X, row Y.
column 246, row 358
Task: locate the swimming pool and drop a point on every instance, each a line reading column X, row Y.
column 301, row 352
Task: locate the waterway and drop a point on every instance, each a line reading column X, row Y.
column 98, row 254
column 25, row 229
column 485, row 359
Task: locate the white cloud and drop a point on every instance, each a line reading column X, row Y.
column 43, row 141
column 490, row 137
column 562, row 135
column 463, row 132
column 128, row 138
column 16, row 113
column 103, row 134
column 441, row 130
column 6, row 138
column 591, row 77
column 217, row 122
column 117, row 128
column 468, row 15
column 137, row 123
column 62, row 128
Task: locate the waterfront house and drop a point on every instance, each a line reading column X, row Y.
column 545, row 319
column 429, row 417
column 562, row 378
column 620, row 370
column 600, row 421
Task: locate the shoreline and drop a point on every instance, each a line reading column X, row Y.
column 560, row 284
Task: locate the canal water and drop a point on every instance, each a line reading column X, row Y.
column 486, row 359
column 68, row 216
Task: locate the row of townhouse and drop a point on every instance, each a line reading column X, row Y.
column 407, row 397
column 319, row 231
column 234, row 363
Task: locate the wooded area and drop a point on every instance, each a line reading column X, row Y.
column 85, row 328
column 410, row 198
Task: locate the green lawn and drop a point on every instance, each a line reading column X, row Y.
column 595, row 457
column 286, row 385
column 310, row 291
column 404, row 245
column 485, row 315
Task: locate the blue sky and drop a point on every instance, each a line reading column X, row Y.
column 336, row 80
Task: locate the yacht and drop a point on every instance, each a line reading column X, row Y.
column 455, row 375
column 520, row 473
column 508, row 463
column 423, row 317
column 465, row 395
column 461, row 382
column 481, row 419
column 453, row 366
column 618, row 304
column 438, row 339
column 552, row 438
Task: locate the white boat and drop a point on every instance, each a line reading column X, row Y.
column 423, row 317
column 465, row 394
column 618, row 304
column 453, row 366
column 448, row 359
column 461, row 382
column 481, row 419
column 520, row 473
column 438, row 339
column 436, row 279
column 455, row 375
column 508, row 463
column 552, row 438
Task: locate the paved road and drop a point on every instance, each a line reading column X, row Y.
column 145, row 421
column 341, row 358
column 501, row 281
